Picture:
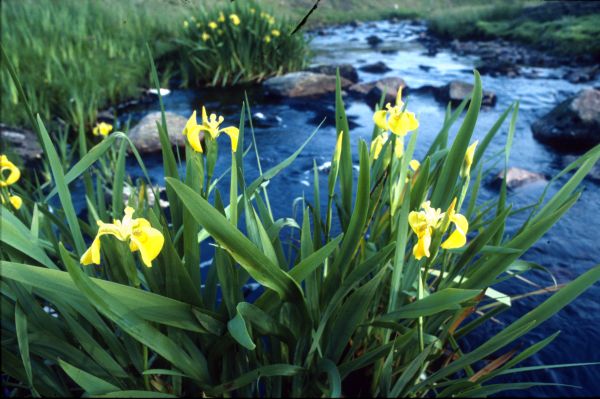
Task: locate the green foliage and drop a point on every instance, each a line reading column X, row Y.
column 555, row 32
column 238, row 43
column 355, row 307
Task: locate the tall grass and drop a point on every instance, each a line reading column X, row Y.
column 354, row 314
column 79, row 53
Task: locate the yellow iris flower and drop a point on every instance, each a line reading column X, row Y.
column 379, row 141
column 102, row 129
column 13, row 175
column 275, row 33
column 140, row 234
column 414, row 165
column 234, row 19
column 14, row 200
column 425, row 222
column 466, row 166
column 211, row 126
column 338, row 147
column 377, row 144
column 267, row 39
column 394, row 119
column 205, row 36
column 212, row 25
column 186, row 24
column 221, row 17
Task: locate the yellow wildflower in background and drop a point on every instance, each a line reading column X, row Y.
column 13, row 172
column 425, row 222
column 186, row 24
column 234, row 19
column 466, row 166
column 394, row 119
column 212, row 25
column 205, row 36
column 267, row 39
column 102, row 129
column 138, row 232
column 275, row 33
column 221, row 17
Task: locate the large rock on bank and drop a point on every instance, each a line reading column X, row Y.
column 302, row 84
column 517, row 177
column 22, row 142
column 145, row 136
column 457, row 90
column 574, row 124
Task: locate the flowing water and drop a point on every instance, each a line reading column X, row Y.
column 568, row 250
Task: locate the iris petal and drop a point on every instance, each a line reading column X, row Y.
column 233, row 133
column 379, row 117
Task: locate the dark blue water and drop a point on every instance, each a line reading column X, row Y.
column 568, row 250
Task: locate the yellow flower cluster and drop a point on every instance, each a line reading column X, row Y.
column 6, row 180
column 102, row 129
column 210, row 125
column 429, row 220
column 138, row 232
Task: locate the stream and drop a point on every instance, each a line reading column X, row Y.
column 567, row 250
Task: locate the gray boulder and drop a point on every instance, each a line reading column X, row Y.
column 346, row 71
column 573, row 124
column 457, row 90
column 302, row 84
column 145, row 136
column 22, row 142
column 517, row 177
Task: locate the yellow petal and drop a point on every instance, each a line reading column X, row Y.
column 403, row 123
column 421, row 248
column 204, row 116
column 379, row 117
column 193, row 138
column 111, row 229
column 149, row 241
column 190, row 125
column 458, row 238
column 399, row 147
column 233, row 133
column 414, row 164
column 13, row 175
column 469, row 155
column 92, row 255
column 337, row 152
column 376, row 146
column 16, row 201
column 417, row 221
column 399, row 96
